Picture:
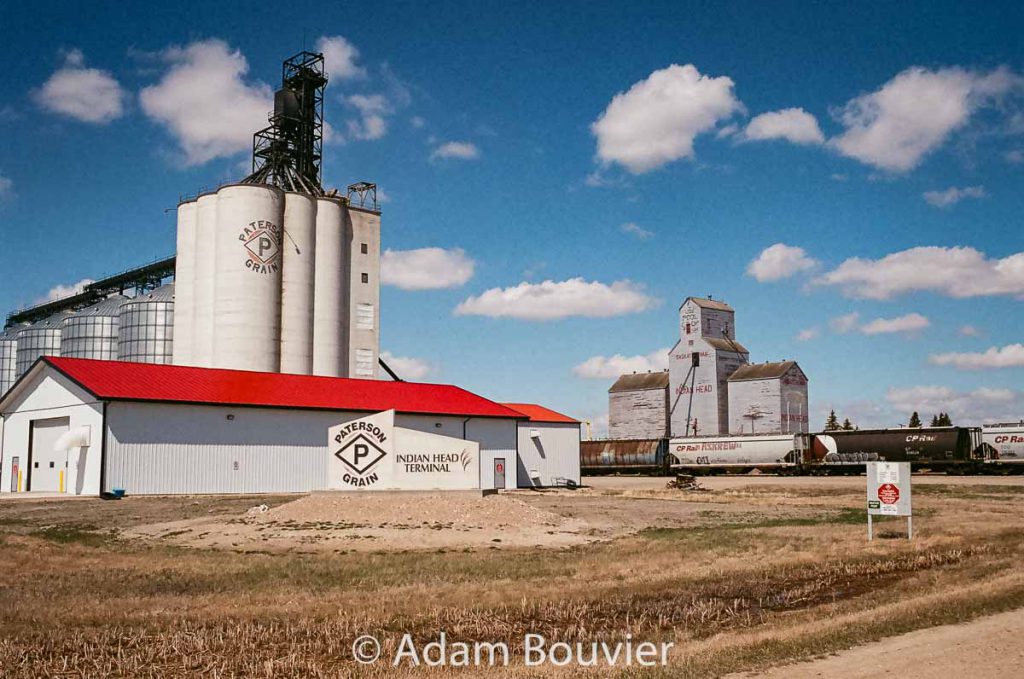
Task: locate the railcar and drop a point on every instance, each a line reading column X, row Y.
column 935, row 447
column 624, row 456
column 739, row 454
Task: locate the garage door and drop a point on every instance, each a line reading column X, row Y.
column 46, row 464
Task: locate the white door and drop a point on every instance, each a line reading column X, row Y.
column 47, row 465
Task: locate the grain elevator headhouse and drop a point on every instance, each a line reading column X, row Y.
column 700, row 364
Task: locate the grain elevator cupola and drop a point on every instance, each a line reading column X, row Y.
column 287, row 153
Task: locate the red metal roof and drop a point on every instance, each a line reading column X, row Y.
column 117, row 380
column 538, row 413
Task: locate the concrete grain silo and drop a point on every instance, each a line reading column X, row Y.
column 203, row 292
column 247, row 278
column 41, row 338
column 298, row 260
column 92, row 332
column 185, row 283
column 146, row 330
column 330, row 301
column 364, row 292
column 8, row 358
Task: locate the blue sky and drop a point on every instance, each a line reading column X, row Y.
column 523, row 140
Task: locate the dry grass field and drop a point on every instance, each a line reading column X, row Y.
column 753, row 573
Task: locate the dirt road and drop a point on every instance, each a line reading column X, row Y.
column 991, row 647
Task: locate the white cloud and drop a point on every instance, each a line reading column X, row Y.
column 462, row 150
column 906, row 324
column 636, row 230
column 1010, row 356
column 339, row 58
column 62, row 291
column 971, row 407
column 969, row 331
column 205, row 102
column 780, row 261
column 552, row 300
column 953, row 195
column 611, row 367
column 846, row 323
column 426, row 268
column 1014, row 157
column 86, row 94
column 417, row 122
column 407, row 367
column 656, row 121
column 792, row 124
column 807, row 334
column 957, row 272
column 895, row 127
column 373, row 111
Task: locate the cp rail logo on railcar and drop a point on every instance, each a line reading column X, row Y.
column 262, row 242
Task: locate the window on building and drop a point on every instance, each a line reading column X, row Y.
column 688, row 329
column 366, row 278
column 364, row 248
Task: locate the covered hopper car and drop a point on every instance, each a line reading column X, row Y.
column 935, row 446
column 1003, row 443
column 740, row 453
column 624, row 456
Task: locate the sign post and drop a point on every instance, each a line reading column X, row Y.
column 889, row 492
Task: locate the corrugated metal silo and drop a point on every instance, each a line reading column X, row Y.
column 92, row 332
column 41, row 338
column 8, row 359
column 146, row 328
column 297, row 283
column 185, row 283
column 247, row 280
column 204, row 291
column 330, row 300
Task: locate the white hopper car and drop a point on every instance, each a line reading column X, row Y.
column 736, row 452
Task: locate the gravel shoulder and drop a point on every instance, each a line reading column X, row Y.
column 991, row 647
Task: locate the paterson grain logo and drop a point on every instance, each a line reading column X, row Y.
column 361, row 447
column 262, row 241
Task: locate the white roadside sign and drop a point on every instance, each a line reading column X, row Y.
column 888, row 490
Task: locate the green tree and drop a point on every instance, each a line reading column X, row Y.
column 915, row 420
column 935, row 421
column 944, row 420
column 832, row 423
column 847, row 425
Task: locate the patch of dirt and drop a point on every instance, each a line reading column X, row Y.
column 378, row 521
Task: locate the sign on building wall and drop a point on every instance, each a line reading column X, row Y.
column 371, row 453
column 889, row 491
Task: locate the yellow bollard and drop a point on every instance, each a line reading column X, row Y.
column 19, row 480
column 61, row 474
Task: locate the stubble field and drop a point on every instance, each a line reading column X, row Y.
column 752, row 573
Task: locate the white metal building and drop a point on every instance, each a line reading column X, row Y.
column 84, row 427
column 549, row 447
